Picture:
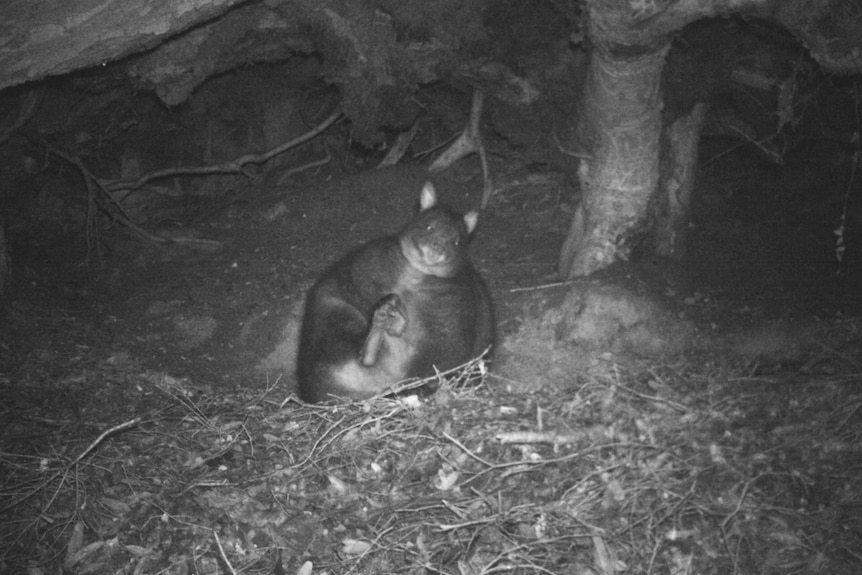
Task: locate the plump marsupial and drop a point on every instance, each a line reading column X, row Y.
column 396, row 308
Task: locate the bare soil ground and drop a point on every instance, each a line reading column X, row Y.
column 661, row 417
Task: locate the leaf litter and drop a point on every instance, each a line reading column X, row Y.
column 694, row 466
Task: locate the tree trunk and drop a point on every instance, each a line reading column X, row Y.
column 621, row 124
column 674, row 200
column 620, row 120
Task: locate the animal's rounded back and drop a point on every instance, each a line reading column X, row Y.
column 420, row 281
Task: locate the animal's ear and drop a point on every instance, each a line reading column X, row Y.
column 427, row 197
column 470, row 220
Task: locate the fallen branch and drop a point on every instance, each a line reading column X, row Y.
column 231, row 167
column 65, row 469
column 310, row 165
column 106, row 200
column 402, row 142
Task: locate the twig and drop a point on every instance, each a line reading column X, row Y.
column 223, row 554
column 65, row 468
column 549, row 437
column 543, row 286
column 462, row 373
column 444, row 527
column 402, row 142
column 741, row 500
column 308, row 166
column 463, row 448
column 130, row 423
column 230, row 167
column 672, row 404
column 111, row 206
column 175, row 391
column 93, row 185
column 320, row 439
column 772, row 155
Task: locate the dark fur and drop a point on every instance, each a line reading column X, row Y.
column 381, row 314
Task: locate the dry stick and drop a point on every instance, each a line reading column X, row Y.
column 494, row 566
column 120, row 214
column 320, row 439
column 724, row 531
column 444, row 527
column 544, row 286
column 88, row 176
column 308, row 166
column 470, row 141
column 746, row 140
column 522, row 464
column 741, row 501
column 65, row 468
column 223, row 554
column 775, row 157
column 187, row 403
column 549, row 437
column 234, row 166
column 371, row 545
column 361, row 423
column 412, row 383
column 463, row 448
column 402, row 142
column 604, row 557
column 331, row 437
column 672, row 404
column 427, row 152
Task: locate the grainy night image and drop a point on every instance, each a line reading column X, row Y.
column 452, row 287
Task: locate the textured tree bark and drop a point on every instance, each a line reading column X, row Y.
column 622, row 123
column 681, row 149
